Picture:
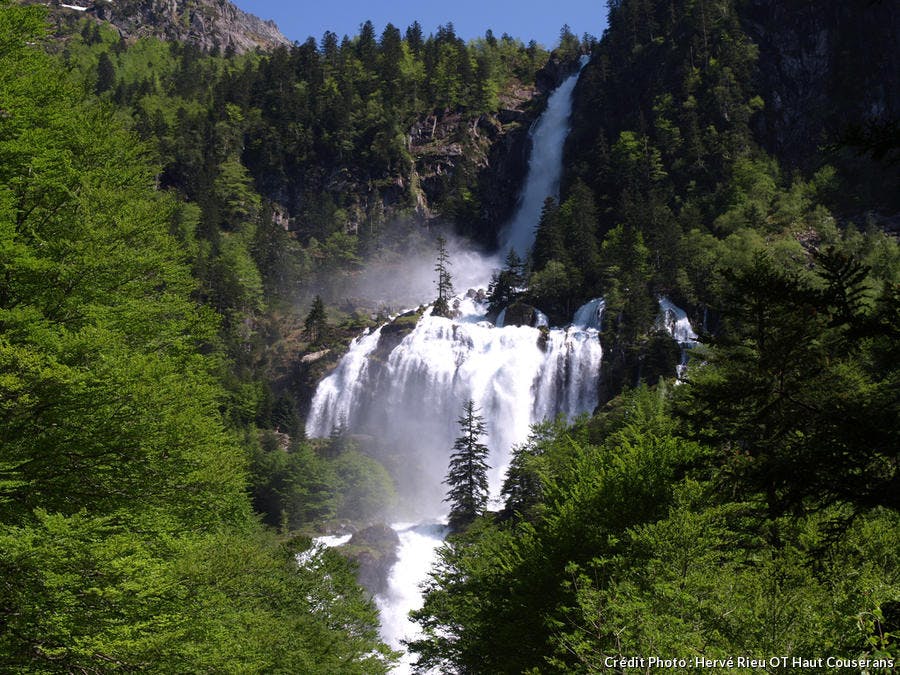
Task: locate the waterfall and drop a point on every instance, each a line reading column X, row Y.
column 410, row 402
column 675, row 322
column 517, row 375
column 405, row 387
column 544, row 167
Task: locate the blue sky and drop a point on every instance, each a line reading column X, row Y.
column 529, row 19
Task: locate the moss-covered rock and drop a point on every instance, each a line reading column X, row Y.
column 374, row 550
column 393, row 333
column 520, row 314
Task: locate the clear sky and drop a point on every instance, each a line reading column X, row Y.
column 524, row 19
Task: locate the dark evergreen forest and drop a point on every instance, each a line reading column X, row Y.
column 178, row 233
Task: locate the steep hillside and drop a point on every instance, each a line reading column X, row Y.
column 824, row 68
column 208, row 24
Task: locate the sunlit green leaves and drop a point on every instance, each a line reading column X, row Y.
column 126, row 536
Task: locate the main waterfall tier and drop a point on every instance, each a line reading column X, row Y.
column 409, row 397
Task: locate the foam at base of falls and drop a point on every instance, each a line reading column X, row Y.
column 415, row 555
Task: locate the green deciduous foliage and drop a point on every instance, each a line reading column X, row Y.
column 628, row 545
column 367, row 490
column 496, row 595
column 555, row 288
column 126, row 537
column 758, row 518
column 523, row 486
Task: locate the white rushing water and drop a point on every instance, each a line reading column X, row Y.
column 517, row 376
column 674, row 321
column 418, row 545
column 544, row 167
column 408, row 392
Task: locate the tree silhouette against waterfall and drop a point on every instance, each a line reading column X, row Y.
column 467, row 475
column 444, row 280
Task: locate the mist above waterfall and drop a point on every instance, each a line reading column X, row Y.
column 401, row 276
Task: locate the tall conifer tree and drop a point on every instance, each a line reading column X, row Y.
column 444, row 280
column 467, row 476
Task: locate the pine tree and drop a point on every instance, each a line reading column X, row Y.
column 549, row 241
column 467, row 475
column 316, row 325
column 414, row 37
column 578, row 219
column 444, row 280
column 506, row 285
column 106, row 74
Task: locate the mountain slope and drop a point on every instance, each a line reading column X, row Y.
column 205, row 23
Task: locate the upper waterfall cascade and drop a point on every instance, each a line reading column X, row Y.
column 548, row 135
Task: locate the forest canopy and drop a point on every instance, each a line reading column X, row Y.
column 127, row 540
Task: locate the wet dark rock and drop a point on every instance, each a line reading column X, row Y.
column 520, row 314
column 374, row 549
column 393, row 333
column 554, row 72
column 544, row 338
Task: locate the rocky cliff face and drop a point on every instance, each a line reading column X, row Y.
column 206, row 23
column 464, row 169
column 823, row 66
column 374, row 550
column 489, row 153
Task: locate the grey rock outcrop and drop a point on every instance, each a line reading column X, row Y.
column 205, row 23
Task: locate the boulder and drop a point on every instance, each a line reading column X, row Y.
column 520, row 314
column 374, row 549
